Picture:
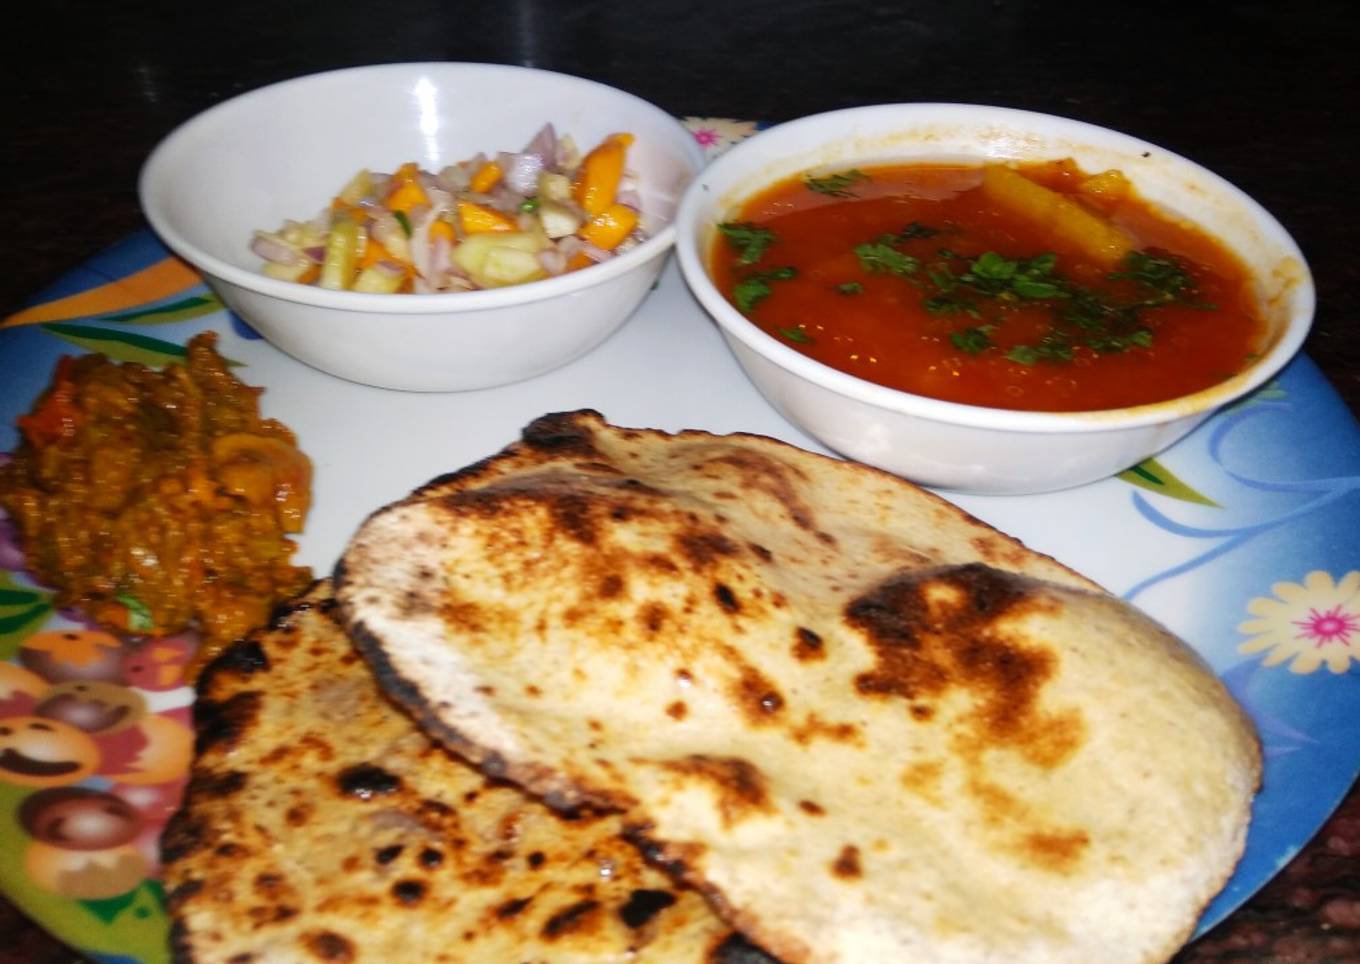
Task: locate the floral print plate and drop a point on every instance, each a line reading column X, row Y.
column 1244, row 539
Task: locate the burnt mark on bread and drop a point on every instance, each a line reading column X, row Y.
column 209, row 784
column 219, row 725
column 408, row 893
column 726, row 598
column 740, row 786
column 946, row 630
column 846, row 866
column 329, row 946
column 736, row 949
column 185, row 833
column 243, row 658
column 385, row 855
column 1055, row 851
column 939, row 630
column 811, row 809
column 366, row 781
column 643, row 905
column 576, row 918
column 562, row 434
column 653, row 617
column 512, row 908
column 704, row 547
column 808, row 646
column 756, row 696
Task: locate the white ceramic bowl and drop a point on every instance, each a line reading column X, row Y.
column 283, row 151
column 965, row 447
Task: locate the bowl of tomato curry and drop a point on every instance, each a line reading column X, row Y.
column 985, row 299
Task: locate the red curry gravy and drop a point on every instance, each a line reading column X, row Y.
column 913, row 277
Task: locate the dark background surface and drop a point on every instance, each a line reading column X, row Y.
column 1265, row 94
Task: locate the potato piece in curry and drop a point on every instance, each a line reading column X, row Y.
column 159, row 500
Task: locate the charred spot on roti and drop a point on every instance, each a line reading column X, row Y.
column 643, row 905
column 756, row 696
column 610, row 587
column 537, row 859
column 653, row 616
column 581, row 916
column 923, row 779
column 760, row 552
column 657, row 562
column 846, row 866
column 1022, row 832
column 703, row 547
column 736, row 949
column 945, row 630
column 242, row 658
column 182, row 892
column 741, row 788
column 224, row 784
column 366, row 781
column 726, row 598
column 385, row 855
column 461, row 615
column 677, row 710
column 512, row 908
column 330, row 946
column 813, row 727
column 807, row 645
column 561, row 434
column 1057, row 852
column 184, row 834
column 811, row 809
column 430, row 858
column 408, row 893
column 219, row 725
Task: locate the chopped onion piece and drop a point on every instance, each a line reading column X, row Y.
column 521, row 171
column 271, row 248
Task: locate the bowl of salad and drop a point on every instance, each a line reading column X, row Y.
column 428, row 226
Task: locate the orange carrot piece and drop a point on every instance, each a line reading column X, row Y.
column 487, row 177
column 600, row 174
column 608, row 228
column 478, row 219
column 440, row 228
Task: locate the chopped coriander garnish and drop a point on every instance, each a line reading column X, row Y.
column 1053, row 347
column 850, row 288
column 882, row 258
column 404, row 221
column 529, row 205
column 796, row 335
column 1165, row 276
column 836, row 185
column 974, row 341
column 917, row 230
column 750, row 240
column 753, row 289
column 948, row 304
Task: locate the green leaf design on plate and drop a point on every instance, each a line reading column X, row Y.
column 136, row 924
column 194, row 306
column 120, row 345
column 1152, row 475
column 22, row 611
column 143, row 900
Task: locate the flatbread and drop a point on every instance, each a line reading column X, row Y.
column 322, row 825
column 866, row 725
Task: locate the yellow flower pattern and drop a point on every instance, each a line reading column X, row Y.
column 1310, row 624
